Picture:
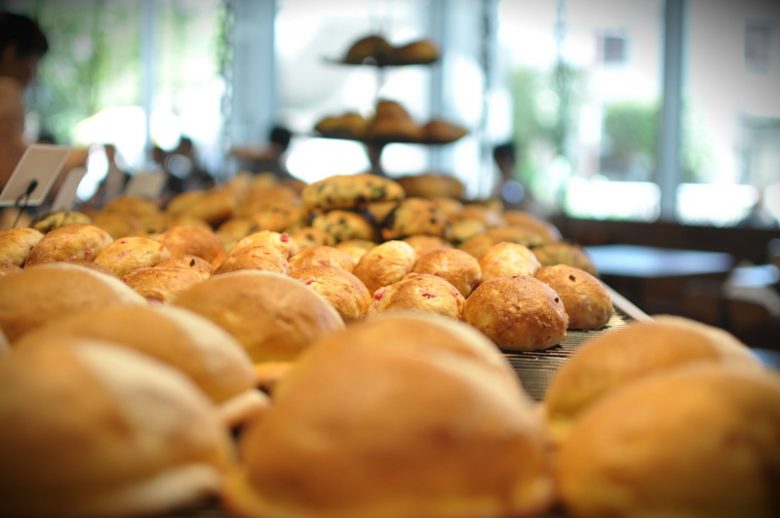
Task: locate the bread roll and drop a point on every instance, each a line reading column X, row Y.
column 455, row 266
column 100, row 430
column 192, row 240
column 161, row 283
column 625, row 354
column 385, row 264
column 322, row 256
column 16, row 244
column 699, row 441
column 345, row 292
column 129, row 253
column 261, row 257
column 279, row 240
column 69, row 243
column 507, row 260
column 406, row 419
column 587, row 301
column 518, row 313
column 419, row 292
column 562, row 252
column 40, row 294
column 418, row 52
column 189, row 343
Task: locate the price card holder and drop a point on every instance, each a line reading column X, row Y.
column 34, row 175
column 67, row 193
column 146, row 184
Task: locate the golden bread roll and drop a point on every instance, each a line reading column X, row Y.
column 356, row 248
column 214, row 206
column 39, row 294
column 191, row 262
column 202, row 351
column 4, row 347
column 281, row 241
column 432, row 186
column 260, row 257
column 132, row 205
column 118, row 224
column 69, row 243
column 626, row 354
column 585, row 298
column 423, row 244
column 507, row 260
column 562, row 252
column 235, row 229
column 490, row 216
column 395, row 418
column 699, row 441
column 193, row 240
column 272, row 316
column 450, row 206
column 385, row 264
column 349, row 124
column 419, row 292
column 373, row 47
column 455, row 266
column 129, row 253
column 16, row 244
column 418, row 52
column 518, row 313
column 48, row 222
column 100, row 430
column 264, row 196
column 345, row 292
column 415, row 216
column 343, row 225
column 519, row 218
column 280, row 217
column 442, row 131
column 322, row 256
column 161, row 283
column 7, row 268
column 350, row 191
column 394, row 128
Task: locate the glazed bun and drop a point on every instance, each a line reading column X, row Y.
column 16, row 244
column 100, row 430
column 625, row 354
column 345, row 292
column 585, row 298
column 37, row 295
column 699, row 441
column 398, row 417
column 419, row 292
column 385, row 264
column 517, row 313
column 272, row 316
column 184, row 340
column 69, row 243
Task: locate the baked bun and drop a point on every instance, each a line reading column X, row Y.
column 307, row 237
column 419, row 292
column 322, row 256
column 191, row 344
column 372, row 47
column 562, row 252
column 16, row 244
column 455, row 266
column 699, row 441
column 279, row 240
column 423, row 244
column 356, row 248
column 260, row 257
column 272, row 316
column 345, row 292
column 343, row 225
column 395, row 418
column 100, row 430
column 626, row 354
column 385, row 264
column 118, row 225
column 418, row 52
column 37, row 295
column 507, row 260
column 519, row 218
column 350, row 191
column 262, row 195
column 518, row 313
column 69, row 243
column 7, row 268
column 48, row 222
column 193, row 240
column 432, row 186
column 280, row 217
column 190, row 262
column 129, row 253
column 349, row 125
column 160, row 283
column 235, row 229
column 415, row 216
column 391, row 122
column 585, row 298
column 440, row 131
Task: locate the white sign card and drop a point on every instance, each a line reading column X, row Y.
column 146, row 184
column 35, row 172
column 67, row 193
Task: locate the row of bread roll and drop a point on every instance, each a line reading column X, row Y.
column 667, row 417
column 376, row 49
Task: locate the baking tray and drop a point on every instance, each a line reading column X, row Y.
column 536, row 368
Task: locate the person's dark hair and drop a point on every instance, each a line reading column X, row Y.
column 505, row 151
column 281, row 136
column 23, row 33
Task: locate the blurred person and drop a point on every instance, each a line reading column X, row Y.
column 22, row 46
column 270, row 159
column 509, row 188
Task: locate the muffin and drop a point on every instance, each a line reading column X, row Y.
column 518, row 313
